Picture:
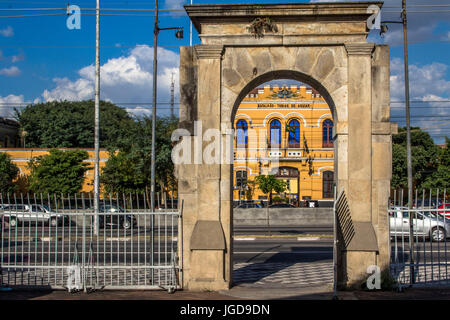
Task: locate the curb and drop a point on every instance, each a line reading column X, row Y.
column 306, row 237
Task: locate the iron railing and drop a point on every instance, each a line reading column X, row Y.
column 423, row 260
column 51, row 241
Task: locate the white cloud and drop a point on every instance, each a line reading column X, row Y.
column 446, row 37
column 425, row 81
column 140, row 111
column 8, row 103
column 422, row 22
column 7, row 32
column 429, row 96
column 10, row 72
column 18, row 57
column 126, row 80
column 174, row 4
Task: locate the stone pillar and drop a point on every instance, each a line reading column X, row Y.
column 382, row 131
column 362, row 248
column 204, row 244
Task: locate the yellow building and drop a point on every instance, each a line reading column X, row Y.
column 289, row 128
column 21, row 157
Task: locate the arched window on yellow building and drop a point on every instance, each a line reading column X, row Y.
column 275, row 133
column 241, row 134
column 327, row 137
column 294, row 134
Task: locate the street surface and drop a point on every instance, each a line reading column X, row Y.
column 281, row 256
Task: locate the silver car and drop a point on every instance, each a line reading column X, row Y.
column 16, row 213
column 425, row 224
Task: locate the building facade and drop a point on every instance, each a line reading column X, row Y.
column 21, row 157
column 286, row 131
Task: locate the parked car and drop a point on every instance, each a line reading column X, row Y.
column 425, row 224
column 170, row 204
column 426, row 203
column 445, row 212
column 282, row 205
column 248, row 205
column 18, row 213
column 114, row 215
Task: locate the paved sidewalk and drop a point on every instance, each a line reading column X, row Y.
column 236, row 293
column 113, row 295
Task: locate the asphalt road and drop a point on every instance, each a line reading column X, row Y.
column 251, row 244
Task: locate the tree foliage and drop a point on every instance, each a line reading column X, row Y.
column 58, row 172
column 268, row 184
column 440, row 179
column 129, row 170
column 67, row 124
column 424, row 157
column 8, row 173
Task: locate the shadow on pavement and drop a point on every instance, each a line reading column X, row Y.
column 253, row 272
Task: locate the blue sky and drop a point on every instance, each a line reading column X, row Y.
column 42, row 60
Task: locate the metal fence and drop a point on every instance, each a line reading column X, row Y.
column 425, row 259
column 56, row 241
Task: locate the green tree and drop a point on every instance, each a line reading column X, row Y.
column 68, row 124
column 130, row 169
column 440, row 179
column 58, row 172
column 425, row 159
column 268, row 184
column 8, row 173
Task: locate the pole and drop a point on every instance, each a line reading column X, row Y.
column 408, row 144
column 155, row 66
column 190, row 31
column 97, row 118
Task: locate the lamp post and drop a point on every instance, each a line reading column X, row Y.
column 408, row 134
column 97, row 119
column 178, row 35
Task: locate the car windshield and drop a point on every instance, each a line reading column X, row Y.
column 428, row 214
column 110, row 208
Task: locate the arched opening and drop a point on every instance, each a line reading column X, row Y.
column 285, row 120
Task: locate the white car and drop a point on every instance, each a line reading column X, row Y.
column 16, row 213
column 425, row 224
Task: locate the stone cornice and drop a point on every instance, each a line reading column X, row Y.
column 281, row 12
column 209, row 51
column 359, row 48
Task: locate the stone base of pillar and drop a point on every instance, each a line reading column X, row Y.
column 356, row 264
column 205, row 285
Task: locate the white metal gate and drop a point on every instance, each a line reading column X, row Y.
column 52, row 242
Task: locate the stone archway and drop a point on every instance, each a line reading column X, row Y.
column 323, row 45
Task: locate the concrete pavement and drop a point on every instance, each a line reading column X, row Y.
column 271, row 287
column 235, row 293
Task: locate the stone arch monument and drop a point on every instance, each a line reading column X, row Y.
column 322, row 44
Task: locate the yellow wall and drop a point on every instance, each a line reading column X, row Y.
column 21, row 157
column 258, row 108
